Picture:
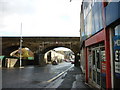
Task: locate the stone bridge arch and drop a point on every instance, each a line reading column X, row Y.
column 40, row 45
column 42, row 52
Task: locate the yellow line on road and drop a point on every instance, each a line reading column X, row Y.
column 59, row 75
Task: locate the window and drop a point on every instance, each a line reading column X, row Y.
column 117, row 30
column 117, row 56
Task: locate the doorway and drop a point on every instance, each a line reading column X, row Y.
column 97, row 66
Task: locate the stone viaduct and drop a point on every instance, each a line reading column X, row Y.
column 40, row 45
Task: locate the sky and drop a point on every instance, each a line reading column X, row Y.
column 40, row 17
column 62, row 48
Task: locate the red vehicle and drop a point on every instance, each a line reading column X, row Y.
column 66, row 60
column 72, row 61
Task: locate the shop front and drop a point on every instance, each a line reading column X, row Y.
column 96, row 63
column 103, row 60
column 100, row 30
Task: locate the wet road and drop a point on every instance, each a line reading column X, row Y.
column 32, row 76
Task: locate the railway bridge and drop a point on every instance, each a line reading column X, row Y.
column 40, row 45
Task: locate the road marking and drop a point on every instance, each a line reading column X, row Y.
column 21, row 67
column 59, row 75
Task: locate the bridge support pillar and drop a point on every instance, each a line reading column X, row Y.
column 77, row 63
column 41, row 60
column 36, row 58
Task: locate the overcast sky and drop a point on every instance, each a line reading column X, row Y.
column 62, row 48
column 40, row 17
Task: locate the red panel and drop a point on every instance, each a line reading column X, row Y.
column 95, row 39
column 107, row 53
column 108, row 66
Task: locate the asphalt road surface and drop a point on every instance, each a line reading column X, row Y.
column 33, row 76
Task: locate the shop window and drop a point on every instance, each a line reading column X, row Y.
column 93, row 57
column 117, row 56
column 117, row 30
column 98, row 59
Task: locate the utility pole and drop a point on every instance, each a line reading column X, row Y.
column 21, row 45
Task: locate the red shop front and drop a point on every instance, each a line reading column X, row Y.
column 97, row 52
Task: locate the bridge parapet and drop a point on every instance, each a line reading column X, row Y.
column 37, row 43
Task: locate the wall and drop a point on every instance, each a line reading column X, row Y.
column 82, row 60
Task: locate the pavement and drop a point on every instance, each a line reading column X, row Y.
column 73, row 79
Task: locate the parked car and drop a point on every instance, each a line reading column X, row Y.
column 54, row 62
column 66, row 60
column 72, row 61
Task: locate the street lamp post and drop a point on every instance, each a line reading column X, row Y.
column 21, row 46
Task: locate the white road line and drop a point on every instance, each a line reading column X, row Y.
column 59, row 75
